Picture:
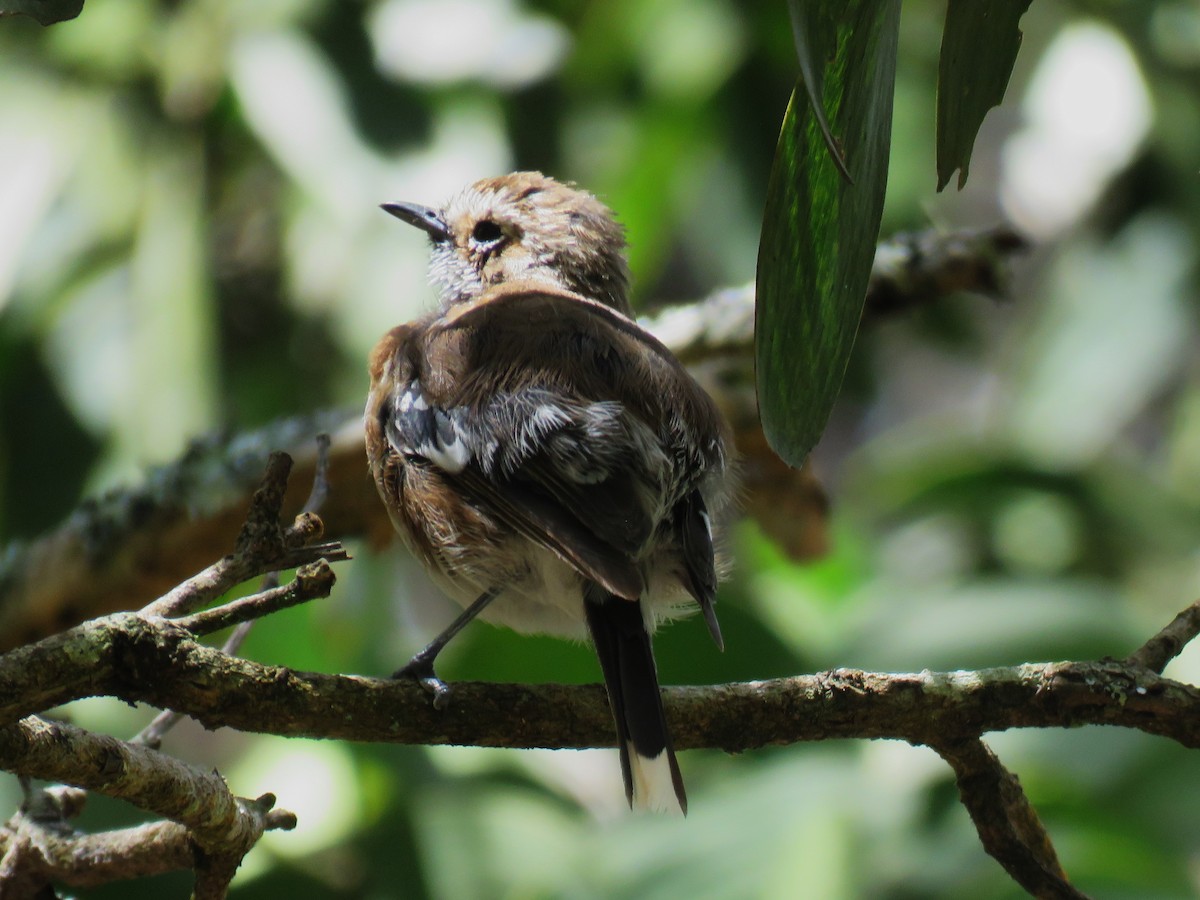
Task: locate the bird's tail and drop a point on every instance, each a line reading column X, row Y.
column 652, row 779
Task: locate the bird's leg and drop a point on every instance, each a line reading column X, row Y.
column 420, row 667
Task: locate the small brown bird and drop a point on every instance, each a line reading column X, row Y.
column 550, row 462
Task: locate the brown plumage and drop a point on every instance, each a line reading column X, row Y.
column 543, row 455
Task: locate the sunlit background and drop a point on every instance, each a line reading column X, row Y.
column 190, row 240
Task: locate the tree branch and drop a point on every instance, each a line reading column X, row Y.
column 262, row 546
column 153, row 734
column 42, row 854
column 1008, row 825
column 158, row 662
column 218, row 829
column 910, row 270
column 150, row 780
column 312, row 581
column 1168, row 643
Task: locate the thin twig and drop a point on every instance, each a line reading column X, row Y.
column 311, row 581
column 152, row 735
column 1008, row 826
column 312, row 506
column 1168, row 643
column 260, row 545
column 260, row 535
column 233, row 644
column 320, row 487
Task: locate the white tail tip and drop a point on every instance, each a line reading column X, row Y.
column 653, row 787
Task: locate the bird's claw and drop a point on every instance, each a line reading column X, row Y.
column 421, row 671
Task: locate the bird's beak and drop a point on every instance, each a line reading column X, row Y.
column 423, row 217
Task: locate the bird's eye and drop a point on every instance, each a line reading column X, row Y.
column 486, row 232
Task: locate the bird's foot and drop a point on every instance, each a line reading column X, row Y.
column 420, row 669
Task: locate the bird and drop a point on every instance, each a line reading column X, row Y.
column 550, row 462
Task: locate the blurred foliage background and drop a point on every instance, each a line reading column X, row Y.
column 189, row 240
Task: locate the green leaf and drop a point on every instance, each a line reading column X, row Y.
column 812, row 72
column 979, row 46
column 47, row 12
column 820, row 227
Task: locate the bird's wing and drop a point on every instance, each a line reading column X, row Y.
column 565, row 419
column 535, row 467
column 523, row 333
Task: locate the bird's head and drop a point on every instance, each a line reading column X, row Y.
column 523, row 227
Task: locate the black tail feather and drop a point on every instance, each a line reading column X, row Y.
column 627, row 660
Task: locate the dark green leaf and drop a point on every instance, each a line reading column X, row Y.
column 819, row 231
column 979, row 46
column 47, row 12
column 809, row 33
